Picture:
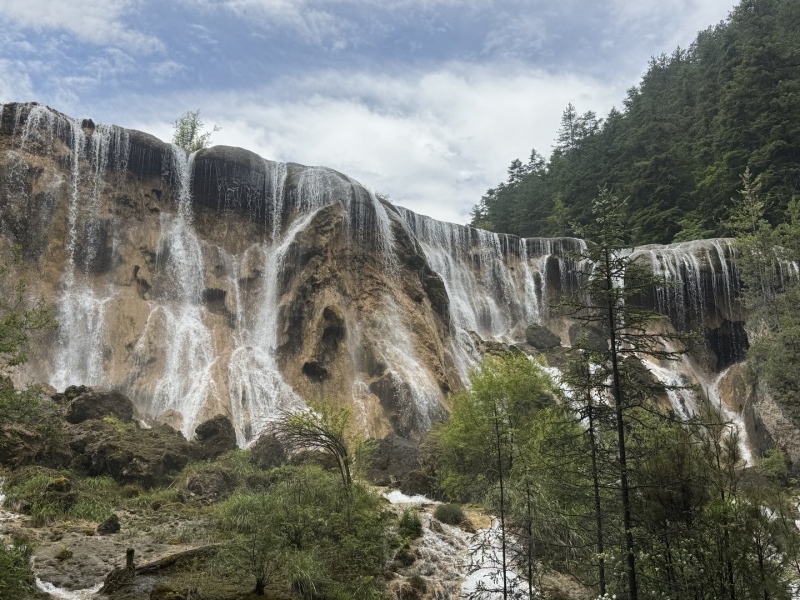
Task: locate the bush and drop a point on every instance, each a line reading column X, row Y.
column 410, row 524
column 16, row 576
column 50, row 495
column 308, row 533
column 237, row 466
column 452, row 514
column 418, row 583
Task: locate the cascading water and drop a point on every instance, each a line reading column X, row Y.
column 80, row 309
column 694, row 273
column 416, row 394
column 185, row 353
column 186, row 383
column 496, row 284
column 258, row 390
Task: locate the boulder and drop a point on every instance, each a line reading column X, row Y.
column 541, row 338
column 267, row 452
column 129, row 454
column 69, row 394
column 208, row 486
column 589, row 337
column 216, row 436
column 393, row 458
column 21, row 445
column 99, row 403
column 109, row 526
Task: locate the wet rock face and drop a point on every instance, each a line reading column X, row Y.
column 226, row 284
column 541, row 338
column 392, row 460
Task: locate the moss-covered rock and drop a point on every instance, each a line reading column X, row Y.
column 130, row 454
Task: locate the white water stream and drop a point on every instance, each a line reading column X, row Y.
column 461, row 564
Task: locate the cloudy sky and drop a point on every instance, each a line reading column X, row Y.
column 426, row 100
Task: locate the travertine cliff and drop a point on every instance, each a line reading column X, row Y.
column 225, row 283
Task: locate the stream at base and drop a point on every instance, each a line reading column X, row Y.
column 460, row 564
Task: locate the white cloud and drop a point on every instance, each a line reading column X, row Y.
column 669, row 22
column 435, row 141
column 320, row 21
column 17, row 84
column 95, row 21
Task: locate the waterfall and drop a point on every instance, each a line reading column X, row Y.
column 496, row 284
column 694, row 272
column 416, row 393
column 186, row 383
column 203, row 336
column 80, row 308
column 258, row 390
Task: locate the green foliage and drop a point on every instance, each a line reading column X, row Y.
column 64, row 553
column 509, row 387
column 187, row 132
column 410, row 525
column 16, row 575
column 697, row 119
column 236, row 465
column 323, row 428
column 51, row 495
column 452, row 514
column 29, row 409
column 18, row 320
column 308, row 532
column 770, row 291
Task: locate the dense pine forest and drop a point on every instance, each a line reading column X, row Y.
column 680, row 143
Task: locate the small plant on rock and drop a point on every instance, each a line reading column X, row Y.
column 410, row 524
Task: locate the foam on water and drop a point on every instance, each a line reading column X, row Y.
column 63, row 594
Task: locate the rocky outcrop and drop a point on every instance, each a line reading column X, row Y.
column 129, row 454
column 99, row 403
column 225, row 284
column 21, row 445
column 541, row 338
column 216, row 437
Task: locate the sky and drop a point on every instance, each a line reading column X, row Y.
column 427, row 101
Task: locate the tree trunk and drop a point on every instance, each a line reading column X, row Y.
column 601, row 565
column 502, row 501
column 623, row 461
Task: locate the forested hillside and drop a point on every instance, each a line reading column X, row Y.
column 681, row 142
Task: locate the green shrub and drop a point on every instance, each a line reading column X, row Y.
column 410, row 524
column 64, row 553
column 236, row 464
column 16, row 576
column 452, row 514
column 308, row 533
column 418, row 583
column 153, row 499
column 405, row 556
column 50, row 495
